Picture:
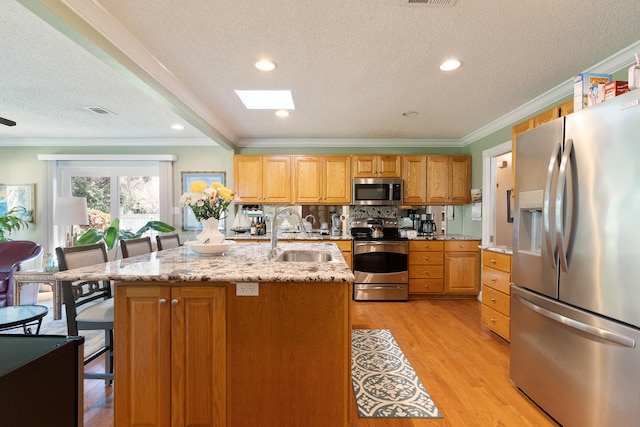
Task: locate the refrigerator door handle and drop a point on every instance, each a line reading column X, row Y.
column 562, row 181
column 572, row 323
column 546, row 216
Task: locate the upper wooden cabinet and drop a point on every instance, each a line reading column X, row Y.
column 448, row 180
column 321, row 180
column 376, row 166
column 414, row 175
column 262, row 179
column 560, row 110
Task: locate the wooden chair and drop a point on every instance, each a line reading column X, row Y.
column 168, row 241
column 88, row 304
column 133, row 247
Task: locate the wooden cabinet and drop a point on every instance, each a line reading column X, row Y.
column 170, row 355
column 560, row 110
column 496, row 292
column 414, row 174
column 262, row 179
column 461, row 267
column 426, row 267
column 346, row 246
column 321, row 180
column 376, row 166
column 448, row 180
column 289, row 355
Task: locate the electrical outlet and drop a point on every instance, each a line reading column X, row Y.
column 247, row 289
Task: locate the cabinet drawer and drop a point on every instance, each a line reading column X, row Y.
column 426, row 245
column 496, row 260
column 426, row 258
column 496, row 300
column 426, row 272
column 461, row 245
column 497, row 322
column 497, row 279
column 426, row 286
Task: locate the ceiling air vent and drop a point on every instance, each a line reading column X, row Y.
column 100, row 110
column 427, row 2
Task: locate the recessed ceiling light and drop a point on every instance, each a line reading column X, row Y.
column 410, row 113
column 450, row 64
column 265, row 65
column 282, row 113
column 177, row 127
column 266, row 99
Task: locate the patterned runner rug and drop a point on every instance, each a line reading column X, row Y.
column 384, row 382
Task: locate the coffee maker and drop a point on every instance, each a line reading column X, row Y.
column 427, row 225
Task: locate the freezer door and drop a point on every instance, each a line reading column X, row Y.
column 582, row 369
column 600, row 225
column 538, row 154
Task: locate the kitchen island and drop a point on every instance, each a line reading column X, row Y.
column 190, row 351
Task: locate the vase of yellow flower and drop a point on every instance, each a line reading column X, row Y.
column 209, row 205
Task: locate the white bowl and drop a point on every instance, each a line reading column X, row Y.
column 209, row 248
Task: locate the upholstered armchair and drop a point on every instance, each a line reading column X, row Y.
column 12, row 254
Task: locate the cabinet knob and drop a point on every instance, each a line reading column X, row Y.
column 174, row 302
column 493, row 261
column 493, row 320
column 493, row 279
column 426, row 286
column 162, row 301
column 493, row 299
column 426, row 258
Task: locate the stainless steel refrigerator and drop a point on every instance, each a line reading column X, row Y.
column 575, row 301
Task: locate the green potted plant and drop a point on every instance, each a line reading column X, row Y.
column 113, row 234
column 12, row 221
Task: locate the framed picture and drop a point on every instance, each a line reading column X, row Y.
column 189, row 221
column 24, row 195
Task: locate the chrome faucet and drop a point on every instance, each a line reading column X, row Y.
column 274, row 237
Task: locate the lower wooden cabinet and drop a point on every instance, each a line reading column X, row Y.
column 461, row 267
column 170, row 355
column 496, row 292
column 426, row 267
column 444, row 268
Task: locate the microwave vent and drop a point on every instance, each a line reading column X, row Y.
column 439, row 3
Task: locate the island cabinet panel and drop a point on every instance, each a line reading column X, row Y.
column 289, row 355
column 170, row 366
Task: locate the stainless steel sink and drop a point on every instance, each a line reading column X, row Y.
column 303, row 256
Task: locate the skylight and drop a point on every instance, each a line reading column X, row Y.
column 266, row 99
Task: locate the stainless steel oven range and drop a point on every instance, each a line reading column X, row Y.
column 380, row 259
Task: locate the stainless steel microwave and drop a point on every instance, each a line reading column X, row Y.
column 377, row 191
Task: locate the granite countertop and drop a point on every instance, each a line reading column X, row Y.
column 290, row 236
column 445, row 237
column 241, row 263
column 499, row 248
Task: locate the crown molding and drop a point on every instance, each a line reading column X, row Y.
column 110, row 142
column 347, row 143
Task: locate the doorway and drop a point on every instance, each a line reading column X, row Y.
column 497, row 228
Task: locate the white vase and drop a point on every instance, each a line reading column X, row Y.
column 210, row 233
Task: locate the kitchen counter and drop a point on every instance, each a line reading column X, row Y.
column 241, row 263
column 290, row 236
column 445, row 237
column 503, row 249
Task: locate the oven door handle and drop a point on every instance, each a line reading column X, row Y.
column 372, row 247
column 378, row 288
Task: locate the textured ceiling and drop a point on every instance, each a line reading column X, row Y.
column 353, row 67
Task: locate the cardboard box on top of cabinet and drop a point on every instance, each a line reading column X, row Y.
column 588, row 89
column 615, row 88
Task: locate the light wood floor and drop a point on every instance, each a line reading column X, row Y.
column 463, row 366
